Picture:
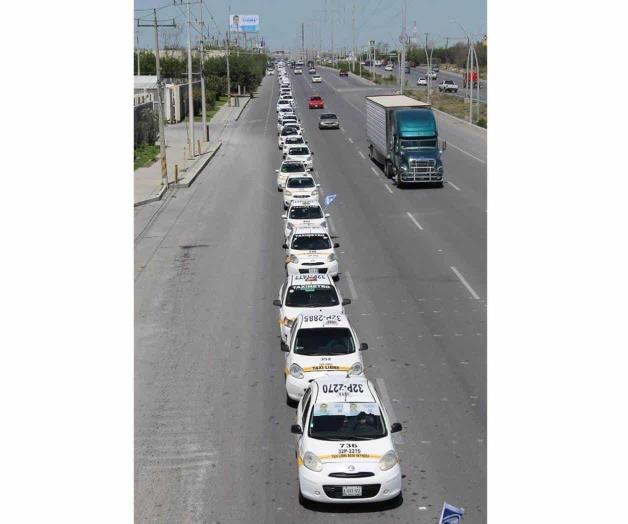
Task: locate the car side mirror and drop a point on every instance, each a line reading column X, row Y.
column 336, row 244
column 318, row 185
column 327, row 215
column 285, row 246
column 346, row 301
column 284, row 216
column 284, row 155
column 364, row 346
column 277, row 302
column 395, row 428
column 284, row 347
column 276, row 170
column 296, row 429
column 312, row 153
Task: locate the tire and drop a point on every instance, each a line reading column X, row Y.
column 398, row 181
column 439, row 184
column 291, row 403
column 335, row 278
column 386, row 169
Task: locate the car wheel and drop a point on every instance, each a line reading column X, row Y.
column 336, row 278
column 293, row 404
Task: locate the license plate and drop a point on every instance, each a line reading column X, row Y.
column 312, row 270
column 351, row 491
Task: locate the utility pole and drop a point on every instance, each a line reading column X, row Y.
column 160, row 109
column 302, row 40
column 353, row 38
column 203, row 108
column 190, row 95
column 402, row 41
column 228, row 75
column 429, row 71
column 137, row 45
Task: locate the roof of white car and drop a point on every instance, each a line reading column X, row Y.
column 309, row 230
column 307, row 280
column 323, row 320
column 344, row 394
column 306, row 203
column 300, row 146
column 295, row 162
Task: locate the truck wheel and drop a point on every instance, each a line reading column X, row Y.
column 387, row 169
column 398, row 180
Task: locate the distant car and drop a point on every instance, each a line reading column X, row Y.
column 432, row 75
column 448, row 86
column 316, row 102
column 435, row 68
column 407, row 69
column 422, row 81
column 270, row 71
column 328, row 121
column 311, row 71
column 298, row 71
column 301, row 154
column 389, row 67
column 316, row 79
column 283, row 103
column 343, row 72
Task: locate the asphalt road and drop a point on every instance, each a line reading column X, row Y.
column 416, row 72
column 212, row 429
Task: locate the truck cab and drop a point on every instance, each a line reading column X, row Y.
column 416, row 156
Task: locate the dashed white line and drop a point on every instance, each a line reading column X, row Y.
column 397, row 437
column 416, row 222
column 466, row 153
column 465, row 283
column 350, row 139
column 374, row 171
column 388, row 188
column 361, row 154
column 354, row 293
column 342, row 129
column 453, row 185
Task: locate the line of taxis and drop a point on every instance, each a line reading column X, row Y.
column 344, row 446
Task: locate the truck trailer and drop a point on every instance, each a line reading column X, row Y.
column 402, row 137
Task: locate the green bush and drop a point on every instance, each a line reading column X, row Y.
column 146, row 127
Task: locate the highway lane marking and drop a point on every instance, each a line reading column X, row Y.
column 465, row 283
column 272, row 92
column 466, row 153
column 350, row 139
column 361, row 154
column 354, row 293
column 374, row 171
column 386, row 186
column 416, row 222
column 397, row 437
column 453, row 185
column 342, row 129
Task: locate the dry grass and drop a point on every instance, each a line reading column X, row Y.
column 450, row 104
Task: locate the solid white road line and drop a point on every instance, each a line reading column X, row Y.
column 465, row 283
column 416, row 222
column 354, row 293
column 397, row 437
column 453, row 185
column 361, row 154
column 466, row 153
column 350, row 139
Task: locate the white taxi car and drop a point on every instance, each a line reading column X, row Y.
column 304, row 213
column 316, row 79
column 301, row 154
column 344, row 449
column 287, row 131
column 285, row 119
column 309, row 249
column 287, row 169
column 307, row 293
column 318, row 345
column 283, row 103
column 296, row 140
column 299, row 187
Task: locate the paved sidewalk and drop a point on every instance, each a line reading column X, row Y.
column 147, row 180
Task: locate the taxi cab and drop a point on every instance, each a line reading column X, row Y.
column 304, row 213
column 301, row 153
column 299, row 187
column 289, row 168
column 344, row 449
column 320, row 344
column 285, row 132
column 309, row 250
column 306, row 293
column 292, row 141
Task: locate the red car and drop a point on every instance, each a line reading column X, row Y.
column 316, row 102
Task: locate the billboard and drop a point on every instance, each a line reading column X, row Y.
column 244, row 23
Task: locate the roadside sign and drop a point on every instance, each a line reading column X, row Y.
column 450, row 514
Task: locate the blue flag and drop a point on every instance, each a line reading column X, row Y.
column 451, row 514
column 329, row 199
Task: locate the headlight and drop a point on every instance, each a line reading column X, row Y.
column 290, row 226
column 388, row 460
column 331, row 257
column 404, row 168
column 311, row 461
column 288, row 322
column 296, row 371
column 294, row 259
column 356, row 369
column 287, row 193
column 315, row 192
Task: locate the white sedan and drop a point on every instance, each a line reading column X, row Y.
column 303, row 294
column 389, row 67
column 283, row 103
column 301, row 214
column 318, row 345
column 299, row 187
column 287, row 169
column 344, row 447
column 316, row 79
column 285, row 132
column 422, row 81
column 309, row 250
column 301, row 154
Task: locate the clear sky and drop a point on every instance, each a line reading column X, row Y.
column 380, row 20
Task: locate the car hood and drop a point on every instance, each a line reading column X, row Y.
column 350, row 451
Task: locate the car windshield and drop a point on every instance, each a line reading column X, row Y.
column 428, row 143
column 323, row 342
column 310, row 242
column 294, row 140
column 293, row 168
column 299, row 151
column 306, row 213
column 347, row 421
column 316, row 295
column 289, row 130
column 328, row 116
column 301, row 182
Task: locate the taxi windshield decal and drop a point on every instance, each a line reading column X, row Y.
column 347, row 409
